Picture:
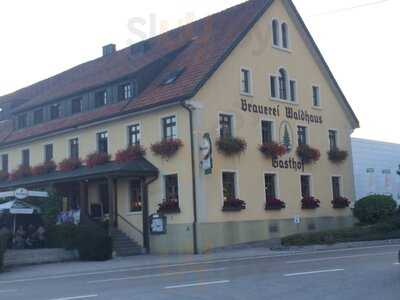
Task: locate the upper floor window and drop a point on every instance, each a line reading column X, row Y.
column 336, row 191
column 270, row 185
column 25, row 158
column 169, row 128
column 54, row 111
column 245, row 87
column 225, row 126
column 22, row 121
column 292, row 85
column 282, row 87
column 38, row 116
column 4, row 163
column 134, row 134
column 171, row 188
column 266, row 130
column 280, row 34
column 100, row 98
column 333, row 145
column 316, row 96
column 76, row 105
column 302, row 135
column 229, row 185
column 48, row 152
column 1, row 114
column 126, row 91
column 74, row 148
column 305, row 183
column 102, row 142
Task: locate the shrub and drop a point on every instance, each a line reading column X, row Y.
column 131, row 153
column 4, row 176
column 310, row 203
column 62, row 236
column 3, row 246
column 97, row 159
column 21, row 172
column 341, row 202
column 234, row 205
column 274, row 204
column 167, row 147
column 231, row 145
column 169, row 206
column 337, row 155
column 308, row 154
column 94, row 243
column 69, row 164
column 272, row 150
column 374, row 208
column 45, row 168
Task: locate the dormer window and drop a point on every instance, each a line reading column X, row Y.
column 54, row 111
column 100, row 98
column 173, row 76
column 76, row 106
column 22, row 121
column 38, row 116
column 126, row 91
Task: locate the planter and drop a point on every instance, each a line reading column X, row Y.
column 169, row 207
column 340, row 203
column 166, row 148
column 45, row 168
column 97, row 159
column 69, row 164
column 272, row 150
column 129, row 154
column 310, row 203
column 234, row 205
column 231, row 145
column 21, row 172
column 274, row 204
column 308, row 154
column 337, row 156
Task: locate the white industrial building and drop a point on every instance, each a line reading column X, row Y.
column 376, row 168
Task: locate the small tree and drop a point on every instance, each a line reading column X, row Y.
column 374, row 208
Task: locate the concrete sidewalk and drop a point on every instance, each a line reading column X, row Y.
column 160, row 261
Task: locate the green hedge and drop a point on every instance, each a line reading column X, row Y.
column 94, row 243
column 374, row 208
column 62, row 236
column 3, row 246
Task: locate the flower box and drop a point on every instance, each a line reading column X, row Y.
column 274, row 204
column 97, row 159
column 4, row 176
column 69, row 164
column 234, row 205
column 45, row 168
column 131, row 153
column 169, row 207
column 272, row 150
column 310, row 203
column 166, row 148
column 337, row 155
column 231, row 145
column 340, row 203
column 21, row 172
column 308, row 154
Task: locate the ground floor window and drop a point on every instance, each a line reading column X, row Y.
column 336, row 187
column 305, row 181
column 136, row 196
column 171, row 188
column 270, row 185
column 229, row 185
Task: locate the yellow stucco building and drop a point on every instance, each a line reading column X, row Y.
column 240, row 117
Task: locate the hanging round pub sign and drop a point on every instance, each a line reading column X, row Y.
column 21, row 193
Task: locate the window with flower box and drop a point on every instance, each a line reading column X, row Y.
column 302, row 135
column 225, row 126
column 134, row 134
column 102, row 142
column 270, row 185
column 25, row 161
column 171, row 187
column 74, row 148
column 229, row 185
column 48, row 152
column 267, row 132
column 169, row 128
column 333, row 145
column 305, row 181
column 136, row 196
column 336, row 187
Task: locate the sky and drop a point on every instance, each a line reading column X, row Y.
column 358, row 38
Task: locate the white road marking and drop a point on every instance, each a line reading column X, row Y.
column 196, row 284
column 396, row 263
column 205, row 262
column 313, row 272
column 337, row 257
column 8, row 291
column 77, row 297
column 156, row 275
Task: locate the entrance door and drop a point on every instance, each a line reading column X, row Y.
column 136, row 196
column 103, row 197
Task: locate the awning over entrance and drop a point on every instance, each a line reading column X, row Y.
column 17, row 207
column 139, row 168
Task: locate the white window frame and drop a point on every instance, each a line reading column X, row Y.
column 22, row 156
column 127, row 136
column 161, row 129
column 288, row 79
column 237, row 186
column 278, row 45
column 308, row 139
column 312, row 192
column 250, row 93
column 277, row 184
column 340, row 185
column 274, row 135
column 233, row 115
column 69, row 145
column 163, row 190
column 108, row 139
column 44, row 150
column 337, row 138
column 287, row 35
column 319, row 96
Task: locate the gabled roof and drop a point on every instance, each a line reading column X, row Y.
column 201, row 47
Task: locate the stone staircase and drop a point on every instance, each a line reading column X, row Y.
column 125, row 246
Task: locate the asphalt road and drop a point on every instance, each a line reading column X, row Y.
column 361, row 274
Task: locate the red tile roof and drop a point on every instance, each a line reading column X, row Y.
column 208, row 41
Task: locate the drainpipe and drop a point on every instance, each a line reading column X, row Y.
column 190, row 109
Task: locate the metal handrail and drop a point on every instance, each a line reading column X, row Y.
column 130, row 224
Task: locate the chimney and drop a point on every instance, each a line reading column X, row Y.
column 109, row 49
